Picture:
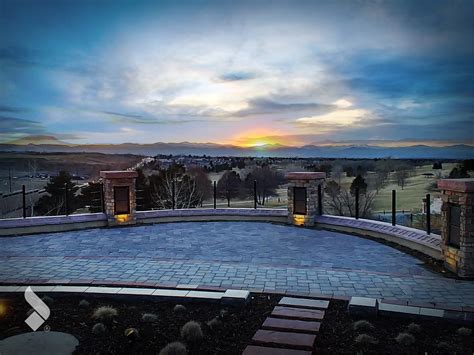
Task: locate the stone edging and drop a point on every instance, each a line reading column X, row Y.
column 409, row 237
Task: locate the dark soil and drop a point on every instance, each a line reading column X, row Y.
column 337, row 335
column 237, row 325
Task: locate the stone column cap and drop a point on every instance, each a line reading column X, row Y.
column 305, row 175
column 457, row 185
column 117, row 174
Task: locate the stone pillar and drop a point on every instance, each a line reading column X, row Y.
column 457, row 226
column 303, row 196
column 120, row 197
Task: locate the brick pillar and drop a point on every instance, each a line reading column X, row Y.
column 299, row 185
column 120, row 184
column 457, row 227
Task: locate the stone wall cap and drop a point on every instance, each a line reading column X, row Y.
column 305, row 175
column 458, row 185
column 126, row 174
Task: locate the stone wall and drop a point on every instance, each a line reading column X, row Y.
column 458, row 192
column 114, row 179
column 310, row 181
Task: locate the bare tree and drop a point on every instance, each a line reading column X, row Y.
column 401, row 176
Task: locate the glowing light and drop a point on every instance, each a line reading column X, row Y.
column 3, row 308
column 298, row 219
column 122, row 218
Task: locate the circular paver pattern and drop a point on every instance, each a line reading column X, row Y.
column 250, row 255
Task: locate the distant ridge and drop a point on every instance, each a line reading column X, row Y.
column 459, row 151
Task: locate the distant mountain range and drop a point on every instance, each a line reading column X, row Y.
column 461, row 151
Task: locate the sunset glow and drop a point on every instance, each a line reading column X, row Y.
column 249, row 73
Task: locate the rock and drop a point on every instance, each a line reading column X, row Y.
column 39, row 343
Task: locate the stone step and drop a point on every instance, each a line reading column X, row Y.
column 291, row 325
column 261, row 350
column 291, row 340
column 297, row 313
column 304, row 302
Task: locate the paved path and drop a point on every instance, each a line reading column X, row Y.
column 230, row 254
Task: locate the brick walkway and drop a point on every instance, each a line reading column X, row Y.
column 233, row 255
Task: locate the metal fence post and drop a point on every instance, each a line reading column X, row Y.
column 10, row 178
column 173, row 191
column 23, row 193
column 394, row 207
column 66, row 202
column 255, row 194
column 357, row 203
column 320, row 200
column 428, row 214
column 102, row 202
column 215, row 193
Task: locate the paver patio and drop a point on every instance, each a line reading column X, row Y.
column 246, row 255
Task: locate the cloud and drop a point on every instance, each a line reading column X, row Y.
column 237, row 76
column 12, row 125
column 13, row 109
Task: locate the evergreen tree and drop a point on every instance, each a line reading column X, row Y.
column 54, row 202
column 360, row 183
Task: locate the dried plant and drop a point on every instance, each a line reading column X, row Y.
column 192, row 332
column 175, row 348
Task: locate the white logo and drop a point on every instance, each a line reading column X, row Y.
column 41, row 313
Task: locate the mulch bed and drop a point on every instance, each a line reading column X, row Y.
column 337, row 335
column 237, row 327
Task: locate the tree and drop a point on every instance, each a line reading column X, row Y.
column 267, row 183
column 333, row 192
column 203, row 184
column 437, row 165
column 401, row 176
column 358, row 183
column 91, row 197
column 229, row 186
column 54, row 202
column 143, row 192
column 458, row 173
column 185, row 191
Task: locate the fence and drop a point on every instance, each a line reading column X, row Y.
column 17, row 204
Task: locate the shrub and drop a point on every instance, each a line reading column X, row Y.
column 179, row 308
column 362, row 325
column 105, row 313
column 174, row 348
column 413, row 328
column 365, row 339
column 98, row 329
column 444, row 347
column 84, row 304
column 463, row 331
column 48, row 300
column 191, row 332
column 149, row 318
column 405, row 339
column 214, row 324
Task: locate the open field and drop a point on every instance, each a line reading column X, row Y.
column 416, row 188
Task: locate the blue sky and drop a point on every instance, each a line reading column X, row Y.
column 242, row 72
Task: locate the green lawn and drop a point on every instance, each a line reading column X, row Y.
column 416, row 188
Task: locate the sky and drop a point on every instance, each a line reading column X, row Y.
column 237, row 72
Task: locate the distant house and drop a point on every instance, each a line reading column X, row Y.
column 428, row 175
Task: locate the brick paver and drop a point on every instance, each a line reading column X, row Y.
column 291, row 325
column 296, row 340
column 242, row 255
